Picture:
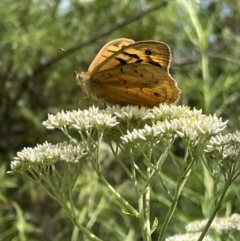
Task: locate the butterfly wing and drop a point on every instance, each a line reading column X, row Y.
column 144, row 52
column 125, row 72
column 134, row 84
column 109, row 49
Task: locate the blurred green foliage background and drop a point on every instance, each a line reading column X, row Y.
column 37, row 78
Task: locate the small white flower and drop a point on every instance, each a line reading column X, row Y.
column 220, row 140
column 153, row 133
column 196, row 226
column 165, row 111
column 188, row 127
column 133, row 135
column 219, row 225
column 81, row 119
column 188, row 237
column 236, row 136
column 192, row 127
column 225, row 146
column 47, row 154
column 130, row 112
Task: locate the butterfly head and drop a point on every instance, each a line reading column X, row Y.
column 82, row 79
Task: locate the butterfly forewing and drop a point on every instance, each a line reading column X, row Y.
column 145, row 52
column 109, row 49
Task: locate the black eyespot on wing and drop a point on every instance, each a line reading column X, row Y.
column 156, row 94
column 148, row 52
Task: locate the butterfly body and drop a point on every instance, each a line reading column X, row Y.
column 125, row 72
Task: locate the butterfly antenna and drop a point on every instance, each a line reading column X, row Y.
column 63, row 51
column 75, row 73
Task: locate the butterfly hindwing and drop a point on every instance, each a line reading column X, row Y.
column 145, row 84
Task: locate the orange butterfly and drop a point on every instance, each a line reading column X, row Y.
column 127, row 72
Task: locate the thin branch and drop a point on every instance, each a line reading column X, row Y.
column 99, row 35
column 43, row 66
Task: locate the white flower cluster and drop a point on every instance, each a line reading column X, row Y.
column 189, row 237
column 168, row 120
column 225, row 146
column 47, row 154
column 161, row 112
column 155, row 132
column 160, row 123
column 81, row 119
column 219, row 225
column 130, row 112
column 187, row 123
column 190, row 126
column 173, row 111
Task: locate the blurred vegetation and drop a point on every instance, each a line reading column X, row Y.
column 37, row 78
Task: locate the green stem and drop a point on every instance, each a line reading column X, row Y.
column 172, row 208
column 218, row 206
column 206, row 82
column 140, row 195
column 158, row 166
column 131, row 209
column 147, row 208
column 120, row 161
column 60, row 197
column 62, row 202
